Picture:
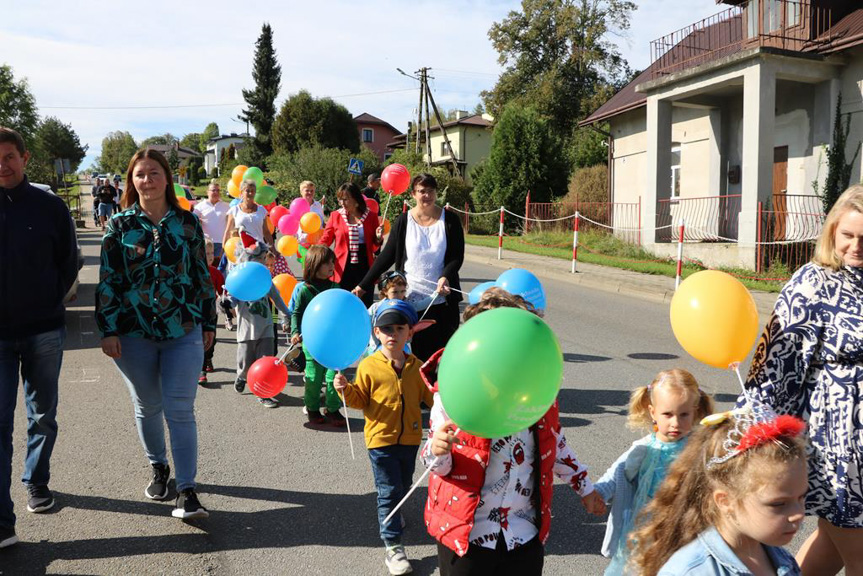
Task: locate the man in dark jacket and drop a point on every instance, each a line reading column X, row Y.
column 371, row 191
column 38, row 265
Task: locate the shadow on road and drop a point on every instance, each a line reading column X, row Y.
column 580, row 401
column 583, row 358
column 306, row 519
column 652, row 356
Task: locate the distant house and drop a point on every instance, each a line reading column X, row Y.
column 470, row 138
column 728, row 125
column 183, row 154
column 375, row 133
column 219, row 143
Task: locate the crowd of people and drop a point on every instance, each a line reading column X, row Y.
column 700, row 493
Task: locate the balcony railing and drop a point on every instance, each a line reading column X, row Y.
column 794, row 25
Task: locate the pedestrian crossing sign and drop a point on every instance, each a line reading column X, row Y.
column 355, row 166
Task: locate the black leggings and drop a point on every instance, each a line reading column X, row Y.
column 428, row 341
column 354, row 274
column 526, row 560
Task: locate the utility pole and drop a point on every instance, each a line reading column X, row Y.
column 427, row 104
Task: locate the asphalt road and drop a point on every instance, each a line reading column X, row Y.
column 286, row 499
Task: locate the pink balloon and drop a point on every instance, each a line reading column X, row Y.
column 289, row 223
column 299, row 206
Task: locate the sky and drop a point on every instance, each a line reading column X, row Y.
column 157, row 67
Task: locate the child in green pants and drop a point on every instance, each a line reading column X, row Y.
column 318, row 267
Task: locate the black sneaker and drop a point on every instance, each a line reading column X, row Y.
column 314, row 417
column 269, row 402
column 239, row 385
column 7, row 537
column 188, row 506
column 40, row 499
column 208, row 366
column 158, row 487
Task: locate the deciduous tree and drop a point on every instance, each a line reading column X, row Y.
column 305, row 121
column 117, row 149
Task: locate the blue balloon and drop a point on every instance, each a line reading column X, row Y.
column 476, row 294
column 523, row 283
column 249, row 281
column 336, row 328
column 234, row 202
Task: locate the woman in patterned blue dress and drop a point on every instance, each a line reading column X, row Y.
column 156, row 311
column 809, row 363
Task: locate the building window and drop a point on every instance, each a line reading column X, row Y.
column 387, row 155
column 368, row 135
column 675, row 170
column 772, row 15
column 444, row 151
column 792, row 16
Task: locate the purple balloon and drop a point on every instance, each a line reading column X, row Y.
column 289, row 223
column 299, row 206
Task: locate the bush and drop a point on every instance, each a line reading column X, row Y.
column 588, row 185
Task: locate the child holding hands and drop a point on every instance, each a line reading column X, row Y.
column 732, row 499
column 318, row 267
column 389, row 389
column 668, row 406
column 481, row 505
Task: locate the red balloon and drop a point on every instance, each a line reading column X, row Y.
column 373, row 205
column 395, row 179
column 276, row 214
column 270, row 206
column 267, row 377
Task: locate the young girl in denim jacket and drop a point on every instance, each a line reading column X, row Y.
column 667, row 407
column 732, row 499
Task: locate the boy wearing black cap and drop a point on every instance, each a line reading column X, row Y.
column 388, row 389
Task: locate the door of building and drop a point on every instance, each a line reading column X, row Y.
column 780, row 189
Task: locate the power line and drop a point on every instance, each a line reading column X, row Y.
column 172, row 106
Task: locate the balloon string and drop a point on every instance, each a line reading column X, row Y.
column 387, row 208
column 435, row 283
column 416, row 484
column 434, row 296
column 736, row 367
column 347, row 422
column 288, row 351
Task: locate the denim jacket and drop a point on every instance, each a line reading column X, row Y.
column 709, row 555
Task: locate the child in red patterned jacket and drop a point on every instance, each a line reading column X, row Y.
column 482, row 503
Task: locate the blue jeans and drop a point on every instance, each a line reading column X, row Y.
column 39, row 358
column 162, row 378
column 393, row 469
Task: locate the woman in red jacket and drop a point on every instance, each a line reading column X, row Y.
column 357, row 233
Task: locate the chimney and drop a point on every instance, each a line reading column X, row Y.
column 459, row 114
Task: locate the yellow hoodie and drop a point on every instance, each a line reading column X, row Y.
column 391, row 404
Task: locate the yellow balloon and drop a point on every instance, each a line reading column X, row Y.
column 233, row 189
column 184, row 203
column 231, row 248
column 285, row 284
column 310, row 222
column 714, row 318
column 287, row 246
column 237, row 174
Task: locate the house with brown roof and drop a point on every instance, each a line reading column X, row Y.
column 727, row 127
column 470, row 138
column 375, row 134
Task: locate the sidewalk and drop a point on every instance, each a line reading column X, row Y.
column 645, row 286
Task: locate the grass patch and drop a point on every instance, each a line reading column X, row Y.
column 607, row 250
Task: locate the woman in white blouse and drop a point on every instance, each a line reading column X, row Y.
column 427, row 245
column 248, row 215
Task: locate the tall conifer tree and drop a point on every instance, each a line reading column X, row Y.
column 261, row 101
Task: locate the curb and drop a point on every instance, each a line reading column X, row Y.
column 764, row 301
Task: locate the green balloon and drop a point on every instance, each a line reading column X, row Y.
column 265, row 194
column 301, row 253
column 254, row 173
column 500, row 372
column 178, row 190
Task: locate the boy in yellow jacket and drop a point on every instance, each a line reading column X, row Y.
column 389, row 389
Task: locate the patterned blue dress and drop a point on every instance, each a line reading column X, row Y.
column 809, row 363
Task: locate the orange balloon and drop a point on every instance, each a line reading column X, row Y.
column 287, row 246
column 231, row 248
column 233, row 189
column 387, row 227
column 714, row 318
column 285, row 283
column 270, row 226
column 314, row 237
column 237, row 174
column 310, row 223
column 184, row 204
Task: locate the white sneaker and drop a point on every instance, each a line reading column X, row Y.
column 229, row 326
column 397, row 561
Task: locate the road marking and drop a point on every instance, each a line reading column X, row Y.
column 85, row 378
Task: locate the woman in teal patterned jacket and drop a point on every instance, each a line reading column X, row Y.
column 155, row 308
